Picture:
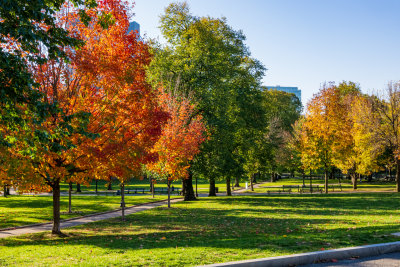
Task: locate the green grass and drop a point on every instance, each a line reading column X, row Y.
column 24, row 210
column 346, row 185
column 216, row 230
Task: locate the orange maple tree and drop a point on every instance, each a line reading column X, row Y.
column 107, row 119
column 180, row 140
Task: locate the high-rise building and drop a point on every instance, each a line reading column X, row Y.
column 293, row 90
column 134, row 26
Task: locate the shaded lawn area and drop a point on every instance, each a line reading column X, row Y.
column 216, row 230
column 23, row 210
column 202, row 185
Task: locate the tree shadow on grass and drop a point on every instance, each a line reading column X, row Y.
column 212, row 228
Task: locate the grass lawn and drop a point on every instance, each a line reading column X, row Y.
column 23, row 210
column 346, row 185
column 216, row 230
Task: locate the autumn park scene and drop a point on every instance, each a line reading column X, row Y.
column 117, row 149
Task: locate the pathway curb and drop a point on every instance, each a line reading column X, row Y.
column 315, row 257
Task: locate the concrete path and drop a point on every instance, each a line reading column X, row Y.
column 386, row 260
column 82, row 220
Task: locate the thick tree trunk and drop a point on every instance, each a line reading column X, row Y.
column 109, row 187
column 237, row 182
column 169, row 193
column 397, row 175
column 123, row 201
column 56, row 208
column 70, row 198
column 354, row 180
column 272, row 177
column 251, row 184
column 228, row 186
column 96, row 187
column 188, row 188
column 5, row 191
column 326, row 182
column 78, row 188
column 211, row 192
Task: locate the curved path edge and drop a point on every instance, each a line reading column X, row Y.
column 30, row 229
column 318, row 256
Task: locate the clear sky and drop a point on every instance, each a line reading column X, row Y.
column 304, row 43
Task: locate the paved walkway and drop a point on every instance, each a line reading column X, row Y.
column 82, row 220
column 385, row 260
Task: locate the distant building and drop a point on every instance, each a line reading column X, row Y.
column 293, row 90
column 134, row 26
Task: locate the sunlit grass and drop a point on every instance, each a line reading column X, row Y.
column 217, row 230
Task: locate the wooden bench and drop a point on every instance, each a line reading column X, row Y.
column 134, row 190
column 290, row 187
column 314, row 188
column 165, row 190
column 333, row 186
column 131, row 191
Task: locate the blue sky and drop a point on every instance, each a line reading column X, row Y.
column 304, row 43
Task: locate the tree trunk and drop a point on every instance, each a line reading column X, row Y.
column 354, row 180
column 78, row 188
column 152, row 187
column 169, row 193
column 188, row 188
column 70, row 198
column 390, row 174
column 237, row 182
column 326, row 182
column 272, row 177
column 254, row 178
column 397, row 175
column 56, row 208
column 310, row 182
column 123, row 201
column 304, row 177
column 96, row 187
column 228, row 186
column 251, row 184
column 109, row 187
column 5, row 191
column 197, row 194
column 211, row 192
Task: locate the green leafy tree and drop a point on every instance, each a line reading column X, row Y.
column 206, row 58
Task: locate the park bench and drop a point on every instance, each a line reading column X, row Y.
column 131, row 191
column 333, row 186
column 289, row 188
column 314, row 188
column 164, row 190
column 134, row 190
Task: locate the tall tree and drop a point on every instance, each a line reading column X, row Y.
column 378, row 125
column 110, row 116
column 318, row 135
column 206, row 57
column 180, row 139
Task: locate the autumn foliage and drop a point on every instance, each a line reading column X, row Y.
column 180, row 139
